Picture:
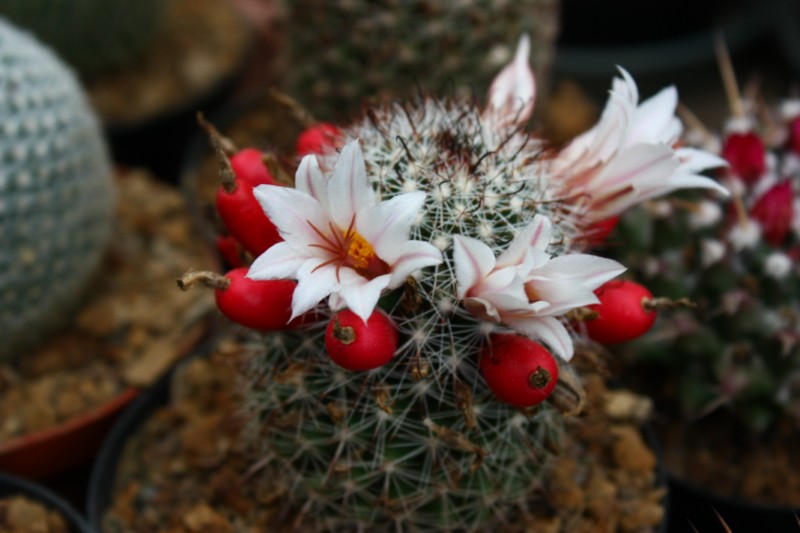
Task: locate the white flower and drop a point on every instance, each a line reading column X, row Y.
column 513, row 91
column 338, row 239
column 629, row 155
column 524, row 288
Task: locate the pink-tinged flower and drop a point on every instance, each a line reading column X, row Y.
column 339, row 241
column 629, row 156
column 774, row 211
column 525, row 288
column 513, row 91
column 745, row 153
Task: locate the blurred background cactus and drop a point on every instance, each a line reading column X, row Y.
column 344, row 53
column 56, row 191
column 91, row 35
column 739, row 349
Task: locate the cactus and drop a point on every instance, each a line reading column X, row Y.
column 90, row 35
column 739, row 349
column 453, row 225
column 342, row 53
column 56, row 194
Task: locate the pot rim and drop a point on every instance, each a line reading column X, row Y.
column 18, row 485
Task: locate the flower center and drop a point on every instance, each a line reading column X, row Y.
column 361, row 256
column 347, row 248
column 359, row 252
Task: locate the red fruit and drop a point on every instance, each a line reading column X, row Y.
column 244, row 218
column 621, row 315
column 744, row 152
column 249, row 167
column 317, row 138
column 264, row 305
column 228, row 248
column 793, row 143
column 354, row 345
column 518, row 370
column 774, row 210
column 598, row 232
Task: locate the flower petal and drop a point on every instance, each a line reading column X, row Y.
column 386, row 225
column 414, row 255
column 473, row 262
column 280, row 261
column 309, row 179
column 513, row 91
column 314, row 282
column 349, row 189
column 694, row 160
column 293, row 212
column 362, row 295
column 548, row 330
column 569, row 281
column 655, row 120
column 536, row 235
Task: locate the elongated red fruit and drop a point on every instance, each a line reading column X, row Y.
column 746, row 156
column 248, row 165
column 774, row 210
column 621, row 313
column 238, row 208
column 359, row 346
column 265, row 305
column 518, row 370
column 317, row 138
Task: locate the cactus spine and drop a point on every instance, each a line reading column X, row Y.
column 56, row 193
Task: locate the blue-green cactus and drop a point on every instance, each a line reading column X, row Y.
column 56, row 191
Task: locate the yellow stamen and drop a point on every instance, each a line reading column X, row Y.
column 360, row 253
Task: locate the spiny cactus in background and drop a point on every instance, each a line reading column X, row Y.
column 737, row 260
column 56, row 192
column 343, row 53
column 446, row 241
column 90, row 35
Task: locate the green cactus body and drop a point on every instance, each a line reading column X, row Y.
column 56, row 191
column 344, row 53
column 420, row 443
column 90, row 35
column 740, row 347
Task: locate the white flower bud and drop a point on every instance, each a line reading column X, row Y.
column 743, row 236
column 777, row 265
column 790, row 109
column 707, row 214
column 711, row 251
column 660, row 208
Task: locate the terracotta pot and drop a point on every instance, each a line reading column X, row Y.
column 11, row 485
column 74, row 443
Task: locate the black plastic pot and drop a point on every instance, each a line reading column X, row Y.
column 103, row 477
column 695, row 508
column 158, row 143
column 104, row 469
column 12, row 485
